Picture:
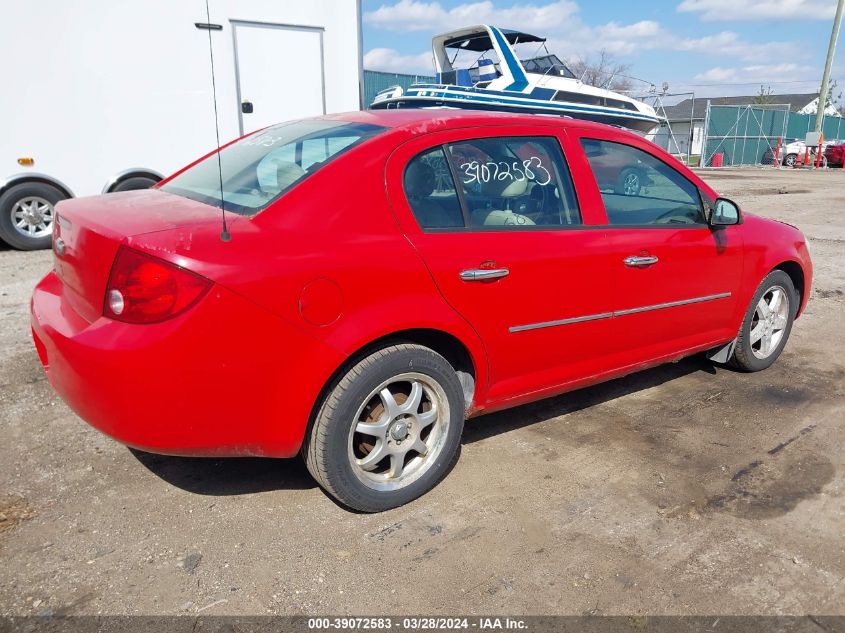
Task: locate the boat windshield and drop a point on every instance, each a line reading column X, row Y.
column 547, row 65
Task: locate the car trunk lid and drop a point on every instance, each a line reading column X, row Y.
column 90, row 230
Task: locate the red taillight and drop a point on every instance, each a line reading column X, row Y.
column 145, row 289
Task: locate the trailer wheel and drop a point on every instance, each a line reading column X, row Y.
column 27, row 212
column 134, row 183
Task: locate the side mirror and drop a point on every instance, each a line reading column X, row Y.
column 725, row 213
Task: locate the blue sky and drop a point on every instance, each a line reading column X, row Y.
column 711, row 47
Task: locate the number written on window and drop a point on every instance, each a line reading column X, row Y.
column 531, row 169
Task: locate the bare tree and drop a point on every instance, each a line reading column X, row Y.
column 604, row 71
column 834, row 95
column 764, row 96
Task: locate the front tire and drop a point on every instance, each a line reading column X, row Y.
column 790, row 160
column 27, row 212
column 389, row 430
column 767, row 323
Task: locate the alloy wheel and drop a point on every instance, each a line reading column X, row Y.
column 631, row 184
column 771, row 316
column 32, row 216
column 399, row 431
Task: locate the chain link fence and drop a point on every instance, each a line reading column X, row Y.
column 736, row 135
column 742, row 134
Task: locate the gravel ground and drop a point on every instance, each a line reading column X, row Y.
column 686, row 489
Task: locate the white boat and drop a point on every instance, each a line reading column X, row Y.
column 478, row 68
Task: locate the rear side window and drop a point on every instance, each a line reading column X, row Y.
column 504, row 182
column 515, row 181
column 639, row 189
column 431, row 191
column 260, row 168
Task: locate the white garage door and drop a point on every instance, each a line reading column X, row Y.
column 279, row 72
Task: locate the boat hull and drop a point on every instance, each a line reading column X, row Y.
column 640, row 125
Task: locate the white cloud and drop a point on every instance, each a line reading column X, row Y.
column 627, row 39
column 729, row 44
column 762, row 73
column 414, row 15
column 714, row 10
column 390, row 60
column 718, row 74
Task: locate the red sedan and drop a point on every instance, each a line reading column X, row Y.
column 383, row 275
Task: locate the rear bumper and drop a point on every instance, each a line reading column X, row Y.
column 226, row 378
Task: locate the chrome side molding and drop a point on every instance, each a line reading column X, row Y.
column 618, row 313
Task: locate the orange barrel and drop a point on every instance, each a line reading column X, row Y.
column 717, row 160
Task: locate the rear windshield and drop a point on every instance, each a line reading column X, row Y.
column 260, row 168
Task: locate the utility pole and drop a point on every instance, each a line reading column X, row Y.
column 831, row 47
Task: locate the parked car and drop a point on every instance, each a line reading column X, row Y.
column 794, row 151
column 384, row 275
column 791, row 152
column 620, row 171
column 835, row 153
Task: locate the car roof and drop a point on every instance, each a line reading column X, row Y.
column 420, row 120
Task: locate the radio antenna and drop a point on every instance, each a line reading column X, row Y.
column 224, row 235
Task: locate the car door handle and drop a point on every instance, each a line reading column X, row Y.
column 480, row 274
column 640, row 262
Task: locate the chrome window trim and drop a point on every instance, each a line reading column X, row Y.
column 617, row 313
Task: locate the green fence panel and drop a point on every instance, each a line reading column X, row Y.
column 799, row 124
column 376, row 81
column 743, row 134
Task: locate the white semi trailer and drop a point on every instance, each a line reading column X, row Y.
column 102, row 95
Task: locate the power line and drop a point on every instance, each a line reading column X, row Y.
column 746, row 83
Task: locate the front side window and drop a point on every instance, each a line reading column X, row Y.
column 515, row 182
column 638, row 189
column 260, row 168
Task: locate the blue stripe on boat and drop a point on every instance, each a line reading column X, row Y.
column 520, row 81
column 504, row 99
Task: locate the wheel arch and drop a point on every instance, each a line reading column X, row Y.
column 796, row 274
column 132, row 172
column 447, row 344
column 18, row 179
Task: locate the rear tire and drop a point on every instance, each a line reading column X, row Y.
column 789, row 161
column 389, row 430
column 133, row 184
column 767, row 323
column 27, row 211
